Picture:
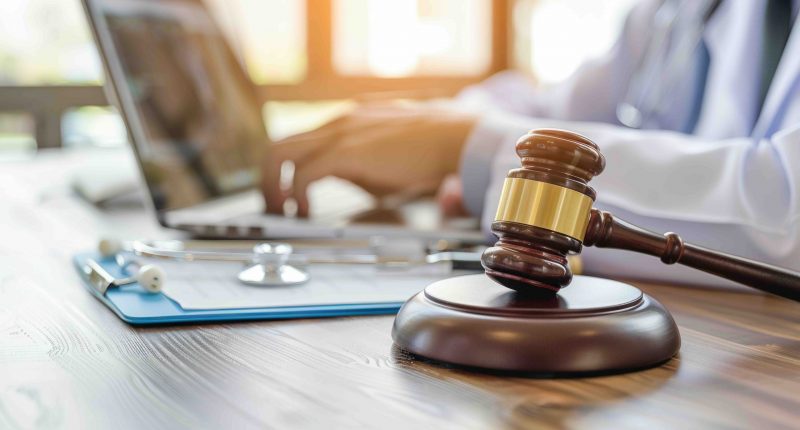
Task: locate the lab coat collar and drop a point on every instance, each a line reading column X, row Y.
column 728, row 111
column 786, row 77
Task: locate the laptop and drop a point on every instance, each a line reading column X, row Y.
column 199, row 135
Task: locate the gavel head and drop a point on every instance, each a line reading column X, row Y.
column 543, row 212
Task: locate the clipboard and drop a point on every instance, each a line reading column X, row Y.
column 134, row 305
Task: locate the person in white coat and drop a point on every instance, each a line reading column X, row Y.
column 696, row 108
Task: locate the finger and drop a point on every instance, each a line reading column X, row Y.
column 308, row 172
column 271, row 184
column 296, row 149
column 450, row 197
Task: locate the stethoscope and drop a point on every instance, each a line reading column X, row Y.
column 657, row 73
column 270, row 264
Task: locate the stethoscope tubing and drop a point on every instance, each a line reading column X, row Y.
column 459, row 260
column 645, row 94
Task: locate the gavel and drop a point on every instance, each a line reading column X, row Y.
column 546, row 212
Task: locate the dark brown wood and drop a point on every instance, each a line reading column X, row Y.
column 560, row 157
column 67, row 362
column 594, row 326
column 532, row 259
column 606, row 231
column 529, row 259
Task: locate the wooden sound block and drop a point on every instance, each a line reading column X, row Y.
column 592, row 326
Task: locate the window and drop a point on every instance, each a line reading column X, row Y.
column 554, row 37
column 46, row 42
column 16, row 135
column 270, row 35
column 92, row 126
column 308, row 57
column 403, row 38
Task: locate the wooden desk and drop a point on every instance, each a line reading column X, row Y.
column 67, row 362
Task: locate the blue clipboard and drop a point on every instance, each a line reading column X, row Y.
column 134, row 305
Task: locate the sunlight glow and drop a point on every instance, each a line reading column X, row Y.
column 46, row 42
column 396, row 38
column 392, row 50
column 564, row 34
column 269, row 34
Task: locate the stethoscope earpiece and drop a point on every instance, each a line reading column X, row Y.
column 109, row 247
column 151, row 278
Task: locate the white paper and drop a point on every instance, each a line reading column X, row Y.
column 214, row 285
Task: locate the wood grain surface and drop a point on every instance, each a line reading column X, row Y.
column 67, row 362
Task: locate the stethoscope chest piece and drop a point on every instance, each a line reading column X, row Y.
column 270, row 267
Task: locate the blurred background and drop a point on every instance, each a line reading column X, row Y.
column 309, row 58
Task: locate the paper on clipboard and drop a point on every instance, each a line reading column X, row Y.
column 214, row 285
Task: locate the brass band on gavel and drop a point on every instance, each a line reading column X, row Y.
column 544, row 205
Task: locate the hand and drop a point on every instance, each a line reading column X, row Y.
column 450, row 198
column 385, row 149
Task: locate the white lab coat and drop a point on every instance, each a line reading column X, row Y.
column 732, row 185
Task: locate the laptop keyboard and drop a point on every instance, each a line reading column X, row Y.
column 333, row 202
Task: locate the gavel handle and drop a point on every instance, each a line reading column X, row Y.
column 605, row 231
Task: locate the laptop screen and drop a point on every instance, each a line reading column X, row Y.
column 197, row 128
